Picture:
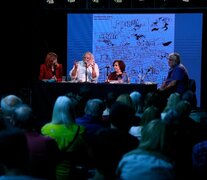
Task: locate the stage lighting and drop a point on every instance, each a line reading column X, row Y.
column 76, row 4
column 71, row 1
column 120, row 4
column 118, row 1
column 97, row 4
column 50, row 1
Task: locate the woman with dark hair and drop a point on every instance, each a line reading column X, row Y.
column 118, row 75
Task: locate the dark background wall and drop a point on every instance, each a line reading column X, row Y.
column 29, row 29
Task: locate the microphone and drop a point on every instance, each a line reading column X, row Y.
column 150, row 68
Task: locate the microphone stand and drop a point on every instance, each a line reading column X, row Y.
column 107, row 73
column 86, row 73
column 142, row 79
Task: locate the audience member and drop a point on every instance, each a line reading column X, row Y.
column 108, row 101
column 119, row 75
column 137, row 101
column 51, row 70
column 148, row 115
column 190, row 96
column 43, row 151
column 108, row 147
column 86, row 70
column 126, row 99
column 9, row 103
column 92, row 119
column 121, row 117
column 177, row 78
column 157, row 99
column 187, row 134
column 199, row 160
column 14, row 155
column 69, row 137
column 109, row 144
column 172, row 101
column 150, row 160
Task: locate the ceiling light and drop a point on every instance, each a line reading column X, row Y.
column 118, row 1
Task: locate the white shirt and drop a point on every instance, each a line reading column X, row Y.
column 81, row 73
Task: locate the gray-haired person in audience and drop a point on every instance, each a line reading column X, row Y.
column 137, row 101
column 9, row 103
column 92, row 119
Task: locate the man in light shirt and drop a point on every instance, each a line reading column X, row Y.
column 86, row 70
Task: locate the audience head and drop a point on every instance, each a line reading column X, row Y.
column 110, row 99
column 149, row 114
column 94, row 107
column 137, row 101
column 9, row 103
column 23, row 117
column 125, row 99
column 121, row 116
column 156, row 136
column 172, row 101
column 156, row 99
column 183, row 109
column 171, row 117
column 190, row 97
column 63, row 111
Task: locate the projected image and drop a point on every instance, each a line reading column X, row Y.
column 141, row 41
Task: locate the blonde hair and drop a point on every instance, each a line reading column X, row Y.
column 49, row 57
column 125, row 99
column 154, row 136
